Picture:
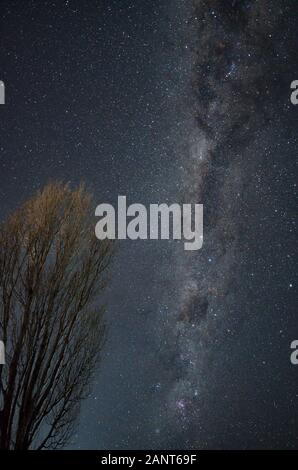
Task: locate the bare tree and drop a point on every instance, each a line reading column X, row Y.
column 52, row 269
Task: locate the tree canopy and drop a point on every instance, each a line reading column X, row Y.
column 52, row 272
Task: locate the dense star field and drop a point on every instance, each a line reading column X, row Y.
column 183, row 101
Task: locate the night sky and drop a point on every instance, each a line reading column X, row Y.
column 172, row 101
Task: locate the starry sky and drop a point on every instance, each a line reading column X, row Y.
column 172, row 101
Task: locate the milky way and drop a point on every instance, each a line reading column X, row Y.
column 237, row 77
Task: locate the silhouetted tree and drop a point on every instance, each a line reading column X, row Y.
column 52, row 269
